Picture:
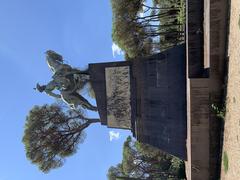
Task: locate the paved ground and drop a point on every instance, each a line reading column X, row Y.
column 231, row 144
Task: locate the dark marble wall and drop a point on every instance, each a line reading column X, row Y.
column 161, row 82
column 158, row 98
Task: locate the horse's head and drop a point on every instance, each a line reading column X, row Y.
column 54, row 60
column 50, row 54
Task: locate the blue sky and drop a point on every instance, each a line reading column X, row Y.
column 81, row 32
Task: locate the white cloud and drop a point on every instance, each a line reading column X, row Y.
column 114, row 135
column 116, row 50
column 141, row 14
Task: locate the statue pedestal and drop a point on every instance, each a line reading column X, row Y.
column 147, row 96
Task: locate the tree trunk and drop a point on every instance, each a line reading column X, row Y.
column 86, row 124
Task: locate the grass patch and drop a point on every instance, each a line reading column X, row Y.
column 225, row 161
column 239, row 22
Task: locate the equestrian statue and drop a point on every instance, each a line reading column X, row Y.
column 68, row 81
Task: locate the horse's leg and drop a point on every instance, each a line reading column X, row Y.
column 68, row 99
column 85, row 103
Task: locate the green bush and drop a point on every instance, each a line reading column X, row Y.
column 225, row 161
column 219, row 110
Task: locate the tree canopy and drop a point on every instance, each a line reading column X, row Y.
column 53, row 133
column 140, row 30
column 141, row 161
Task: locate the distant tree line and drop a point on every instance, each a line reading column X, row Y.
column 140, row 30
column 144, row 162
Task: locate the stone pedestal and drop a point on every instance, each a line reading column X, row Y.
column 147, row 96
